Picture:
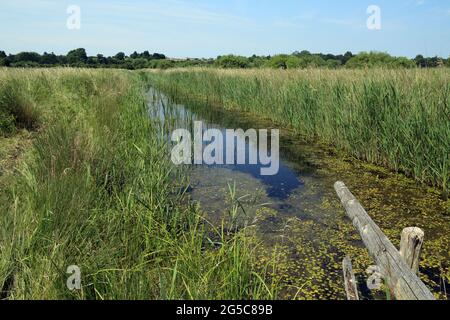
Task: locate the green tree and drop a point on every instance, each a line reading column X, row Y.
column 158, row 56
column 347, row 56
column 101, row 59
column 279, row 61
column 62, row 60
column 420, row 61
column 232, row 62
column 49, row 59
column 146, row 55
column 379, row 60
column 134, row 55
column 312, row 61
column 256, row 61
column 402, row 62
column 293, row 62
column 333, row 64
column 77, row 56
column 139, row 63
column 3, row 57
column 432, row 62
column 120, row 56
column 27, row 57
column 302, row 53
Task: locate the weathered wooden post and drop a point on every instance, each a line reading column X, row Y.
column 349, row 279
column 410, row 247
column 402, row 281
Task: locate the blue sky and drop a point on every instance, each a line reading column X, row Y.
column 207, row 28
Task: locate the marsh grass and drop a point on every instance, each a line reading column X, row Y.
column 396, row 118
column 97, row 190
column 17, row 110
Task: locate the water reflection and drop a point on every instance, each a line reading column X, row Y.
column 175, row 116
column 297, row 210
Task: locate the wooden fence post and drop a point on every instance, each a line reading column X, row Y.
column 349, row 279
column 410, row 247
column 402, row 281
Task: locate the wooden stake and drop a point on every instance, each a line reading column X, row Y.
column 402, row 282
column 410, row 247
column 349, row 279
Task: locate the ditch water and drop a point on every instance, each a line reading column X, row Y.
column 296, row 214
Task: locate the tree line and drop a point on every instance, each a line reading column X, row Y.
column 305, row 59
column 296, row 60
column 79, row 58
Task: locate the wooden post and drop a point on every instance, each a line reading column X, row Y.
column 402, row 282
column 349, row 279
column 410, row 247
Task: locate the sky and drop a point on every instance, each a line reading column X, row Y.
column 208, row 28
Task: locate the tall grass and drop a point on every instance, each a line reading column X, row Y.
column 98, row 190
column 396, row 118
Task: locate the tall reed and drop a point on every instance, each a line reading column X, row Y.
column 97, row 190
column 396, row 118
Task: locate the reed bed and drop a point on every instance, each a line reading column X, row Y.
column 396, row 118
column 97, row 190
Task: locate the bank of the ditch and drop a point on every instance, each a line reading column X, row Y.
column 95, row 188
column 396, row 118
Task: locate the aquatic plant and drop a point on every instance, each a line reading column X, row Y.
column 396, row 118
column 96, row 189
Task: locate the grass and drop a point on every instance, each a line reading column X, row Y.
column 96, row 189
column 395, row 118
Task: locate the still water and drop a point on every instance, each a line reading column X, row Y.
column 296, row 214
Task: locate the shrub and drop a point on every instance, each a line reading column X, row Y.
column 379, row 60
column 17, row 106
column 232, row 62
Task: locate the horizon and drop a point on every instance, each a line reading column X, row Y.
column 205, row 29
